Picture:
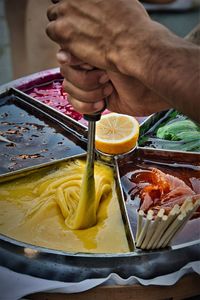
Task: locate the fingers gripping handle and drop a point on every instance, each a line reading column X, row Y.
column 96, row 116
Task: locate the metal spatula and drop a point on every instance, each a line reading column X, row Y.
column 88, row 183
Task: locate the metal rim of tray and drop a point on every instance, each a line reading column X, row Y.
column 74, row 267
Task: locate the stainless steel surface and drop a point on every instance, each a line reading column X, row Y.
column 74, row 267
column 91, row 145
column 112, row 164
column 88, row 182
column 88, row 178
column 39, row 133
column 57, row 265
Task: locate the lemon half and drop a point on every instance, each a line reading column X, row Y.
column 116, row 133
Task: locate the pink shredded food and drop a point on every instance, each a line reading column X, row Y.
column 53, row 95
column 159, row 190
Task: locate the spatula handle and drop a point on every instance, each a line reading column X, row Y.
column 96, row 116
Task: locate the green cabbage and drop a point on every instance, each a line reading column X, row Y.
column 185, row 131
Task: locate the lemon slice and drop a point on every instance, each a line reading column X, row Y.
column 116, row 133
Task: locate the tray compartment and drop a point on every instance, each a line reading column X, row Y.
column 184, row 166
column 180, row 141
column 115, row 210
column 51, row 93
column 38, row 133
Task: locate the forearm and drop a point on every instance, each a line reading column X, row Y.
column 170, row 66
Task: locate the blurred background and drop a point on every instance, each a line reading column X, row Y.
column 25, row 48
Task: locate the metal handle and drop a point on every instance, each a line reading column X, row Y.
column 92, row 118
column 96, row 116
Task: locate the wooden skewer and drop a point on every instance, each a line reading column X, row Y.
column 174, row 232
column 146, row 244
column 185, row 204
column 189, row 210
column 171, row 217
column 149, row 232
column 139, row 223
column 172, row 228
column 162, row 224
column 161, row 228
column 174, row 210
column 150, row 212
column 144, row 229
column 151, row 235
column 155, row 227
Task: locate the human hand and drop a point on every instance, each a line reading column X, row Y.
column 130, row 96
column 118, row 36
column 88, row 87
column 103, row 37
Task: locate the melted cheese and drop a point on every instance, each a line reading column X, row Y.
column 43, row 208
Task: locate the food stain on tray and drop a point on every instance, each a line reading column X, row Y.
column 39, row 209
column 31, row 136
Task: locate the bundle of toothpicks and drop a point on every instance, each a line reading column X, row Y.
column 157, row 231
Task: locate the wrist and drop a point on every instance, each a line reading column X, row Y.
column 131, row 53
column 168, row 65
column 154, row 50
column 163, row 62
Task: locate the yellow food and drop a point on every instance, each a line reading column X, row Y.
column 40, row 208
column 116, row 133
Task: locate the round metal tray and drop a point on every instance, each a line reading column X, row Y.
column 75, row 267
